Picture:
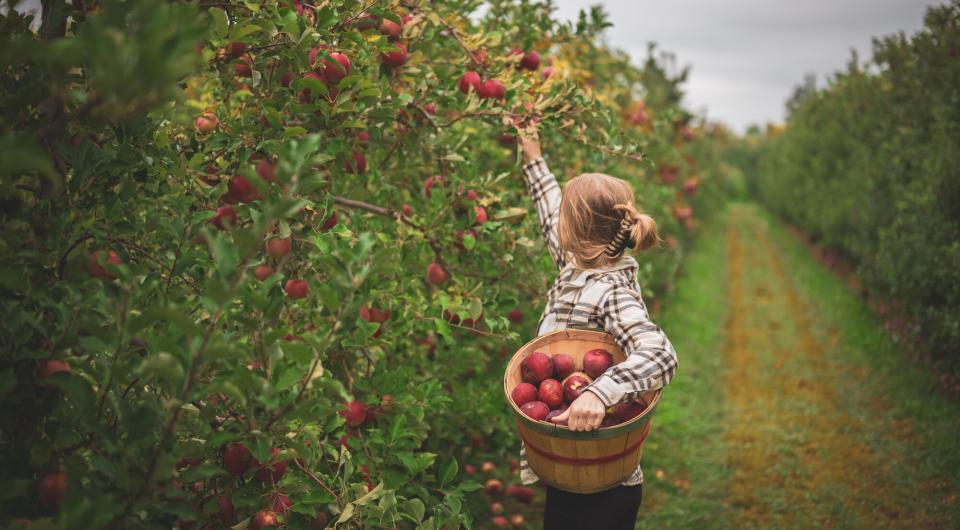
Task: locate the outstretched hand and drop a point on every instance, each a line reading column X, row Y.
column 529, row 138
column 584, row 414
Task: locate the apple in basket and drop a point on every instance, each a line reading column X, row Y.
column 523, row 394
column 563, row 365
column 535, row 410
column 551, row 393
column 596, row 362
column 536, row 367
column 574, row 384
column 624, row 412
column 554, row 413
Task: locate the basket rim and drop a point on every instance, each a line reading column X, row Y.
column 561, row 431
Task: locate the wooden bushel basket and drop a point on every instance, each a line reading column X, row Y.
column 579, row 462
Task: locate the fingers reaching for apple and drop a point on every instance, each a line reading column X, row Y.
column 584, row 414
column 529, row 142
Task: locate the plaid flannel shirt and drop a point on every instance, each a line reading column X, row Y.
column 608, row 299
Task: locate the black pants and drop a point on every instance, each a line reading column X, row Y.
column 613, row 509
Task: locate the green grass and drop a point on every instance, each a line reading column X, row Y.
column 891, row 403
column 907, row 383
column 686, row 438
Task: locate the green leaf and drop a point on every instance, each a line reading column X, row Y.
column 292, row 132
column 470, row 485
column 414, row 508
column 164, row 314
column 450, row 472
column 7, row 381
column 346, row 514
column 220, row 22
column 225, row 255
column 240, row 32
column 165, row 366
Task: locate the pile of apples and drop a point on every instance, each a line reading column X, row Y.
column 551, row 383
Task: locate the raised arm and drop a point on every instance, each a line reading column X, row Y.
column 544, row 191
column 651, row 360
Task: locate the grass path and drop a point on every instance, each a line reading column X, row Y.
column 792, row 408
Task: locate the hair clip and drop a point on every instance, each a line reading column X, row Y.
column 622, row 240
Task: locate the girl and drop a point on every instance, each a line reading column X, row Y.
column 588, row 229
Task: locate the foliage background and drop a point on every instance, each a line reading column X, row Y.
column 179, row 350
column 868, row 166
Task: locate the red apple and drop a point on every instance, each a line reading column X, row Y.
column 357, row 163
column 690, row 185
column 536, row 367
column 430, row 182
column 296, row 289
column 407, row 210
column 314, row 53
column 53, row 486
column 355, row 413
column 329, row 223
column 523, row 394
column 554, row 413
column 96, row 270
column 547, row 72
column 244, row 67
column 236, row 459
column 226, row 218
column 436, row 274
column 430, row 108
column 536, row 410
column 363, row 137
column 624, row 412
column 488, row 467
column 496, row 508
column 205, row 123
column 574, row 384
column 531, row 60
column 270, row 472
column 470, row 79
column 236, row 49
column 52, row 366
column 391, row 29
column 507, row 140
column 286, row 78
column 241, row 190
column 551, row 393
column 596, row 362
column 267, row 169
column 499, row 521
column 281, row 504
column 563, row 365
column 263, row 519
column 516, row 520
column 334, row 71
column 481, row 214
column 228, row 514
column 373, row 314
column 668, row 173
column 491, row 89
column 493, row 487
column 515, row 315
column 395, row 58
column 470, row 469
column 279, row 247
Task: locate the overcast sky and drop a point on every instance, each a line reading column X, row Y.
column 748, row 55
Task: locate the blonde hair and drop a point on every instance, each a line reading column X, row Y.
column 599, row 221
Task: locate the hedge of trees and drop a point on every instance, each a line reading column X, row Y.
column 870, row 165
column 269, row 259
